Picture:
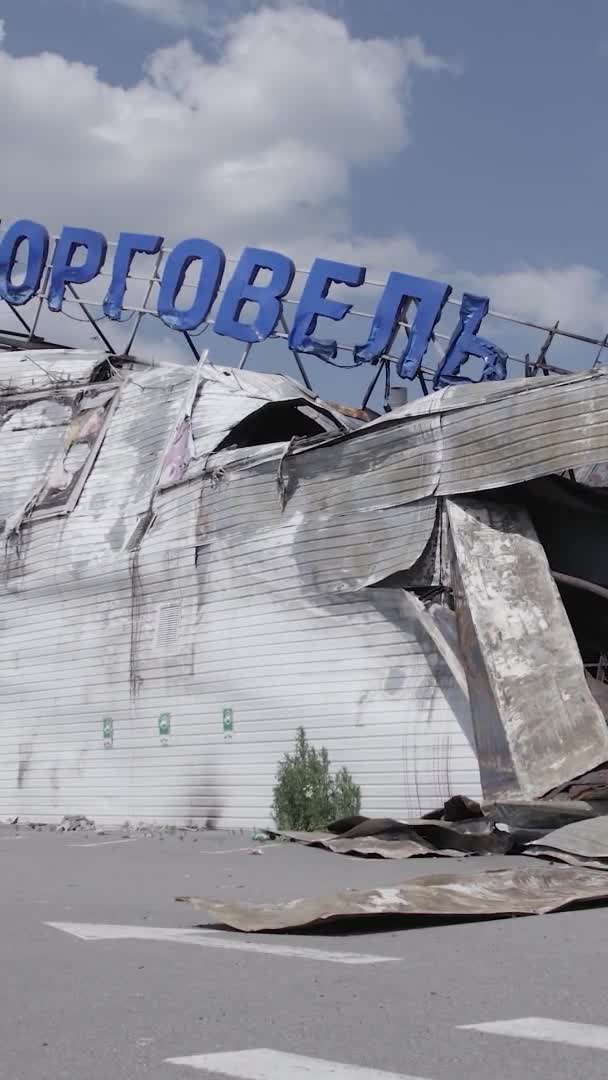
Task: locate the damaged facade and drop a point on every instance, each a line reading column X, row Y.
column 197, row 561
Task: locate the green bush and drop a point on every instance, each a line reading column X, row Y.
column 306, row 796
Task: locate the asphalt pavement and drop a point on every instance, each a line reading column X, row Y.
column 103, row 976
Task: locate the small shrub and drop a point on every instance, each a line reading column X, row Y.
column 347, row 795
column 306, row 796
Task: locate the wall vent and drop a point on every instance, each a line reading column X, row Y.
column 168, row 621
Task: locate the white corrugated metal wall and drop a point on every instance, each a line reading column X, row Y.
column 230, row 602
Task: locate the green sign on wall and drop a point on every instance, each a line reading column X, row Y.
column 227, row 720
column 164, row 728
column 108, row 732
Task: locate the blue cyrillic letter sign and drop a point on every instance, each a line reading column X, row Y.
column 63, row 272
column 37, row 239
column 129, row 244
column 430, row 298
column 314, row 304
column 212, row 261
column 242, row 288
column 465, row 343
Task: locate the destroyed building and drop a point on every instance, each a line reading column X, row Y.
column 197, row 561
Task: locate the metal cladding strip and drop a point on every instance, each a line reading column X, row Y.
column 536, row 722
column 336, row 552
column 522, row 431
column 525, row 437
column 489, row 893
column 489, row 435
column 371, row 468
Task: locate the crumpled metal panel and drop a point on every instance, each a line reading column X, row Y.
column 334, row 549
column 388, row 839
column 22, row 371
column 488, row 894
column 492, row 434
column 371, row 468
column 582, row 842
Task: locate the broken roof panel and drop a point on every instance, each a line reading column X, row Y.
column 23, row 371
column 478, row 437
column 491, row 893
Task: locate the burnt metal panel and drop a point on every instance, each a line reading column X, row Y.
column 534, row 717
column 529, row 891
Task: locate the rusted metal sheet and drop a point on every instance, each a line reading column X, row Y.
column 536, row 722
column 493, row 893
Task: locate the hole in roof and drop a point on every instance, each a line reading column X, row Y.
column 277, row 421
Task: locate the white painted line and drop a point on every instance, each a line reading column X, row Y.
column 224, row 851
column 104, row 843
column 210, row 939
column 274, row 1065
column 591, row 1036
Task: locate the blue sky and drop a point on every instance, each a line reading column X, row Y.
column 495, row 177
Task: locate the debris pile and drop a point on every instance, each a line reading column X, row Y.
column 565, row 830
column 461, row 827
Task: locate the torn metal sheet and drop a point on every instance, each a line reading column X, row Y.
column 582, row 842
column 389, row 839
column 381, row 847
column 536, row 722
column 493, row 893
column 546, row 815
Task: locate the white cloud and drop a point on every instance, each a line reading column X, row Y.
column 213, row 17
column 259, row 143
column 208, row 16
column 575, row 295
column 2, row 31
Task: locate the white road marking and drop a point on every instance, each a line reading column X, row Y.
column 224, row 851
column 104, row 843
column 274, row 1065
column 592, row 1036
column 210, row 939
